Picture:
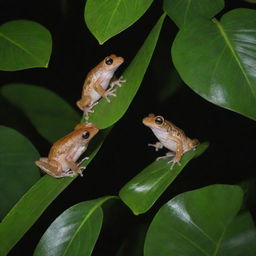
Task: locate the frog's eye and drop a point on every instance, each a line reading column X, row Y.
column 85, row 135
column 109, row 61
column 159, row 120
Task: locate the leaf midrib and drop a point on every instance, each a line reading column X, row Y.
column 218, row 244
column 186, row 12
column 83, row 222
column 233, row 53
column 20, row 47
column 220, row 240
column 112, row 15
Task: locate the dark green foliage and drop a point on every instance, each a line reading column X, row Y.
column 214, row 56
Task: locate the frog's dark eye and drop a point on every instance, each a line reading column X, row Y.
column 109, row 61
column 85, row 135
column 159, row 120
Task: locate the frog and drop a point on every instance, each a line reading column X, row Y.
column 64, row 153
column 99, row 83
column 171, row 137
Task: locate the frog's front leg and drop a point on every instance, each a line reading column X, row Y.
column 179, row 152
column 82, row 168
column 104, row 94
column 158, row 145
column 51, row 167
column 75, row 167
column 117, row 81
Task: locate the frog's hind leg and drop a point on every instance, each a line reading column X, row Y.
column 52, row 167
column 86, row 105
column 194, row 143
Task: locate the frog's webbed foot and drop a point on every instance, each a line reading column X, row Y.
column 117, row 82
column 109, row 92
column 173, row 161
column 81, row 169
column 158, row 145
column 88, row 110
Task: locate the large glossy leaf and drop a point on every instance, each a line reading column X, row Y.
column 75, row 231
column 202, row 222
column 17, row 170
column 133, row 74
column 30, row 207
column 240, row 237
column 183, row 11
column 107, row 18
column 51, row 115
column 24, row 44
column 141, row 192
column 217, row 59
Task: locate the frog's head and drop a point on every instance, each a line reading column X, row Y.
column 86, row 130
column 153, row 121
column 112, row 62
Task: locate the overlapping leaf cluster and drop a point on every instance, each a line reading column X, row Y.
column 217, row 63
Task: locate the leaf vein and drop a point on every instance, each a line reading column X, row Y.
column 236, row 57
column 112, row 15
column 21, row 47
column 190, row 241
column 186, row 12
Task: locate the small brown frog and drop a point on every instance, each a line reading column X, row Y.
column 64, row 153
column 170, row 136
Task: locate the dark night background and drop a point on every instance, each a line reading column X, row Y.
column 229, row 159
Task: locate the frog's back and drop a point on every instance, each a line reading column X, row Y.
column 90, row 77
column 63, row 145
column 175, row 131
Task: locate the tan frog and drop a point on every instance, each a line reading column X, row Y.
column 170, row 137
column 64, row 153
column 97, row 82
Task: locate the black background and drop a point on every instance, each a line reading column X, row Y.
column 229, row 159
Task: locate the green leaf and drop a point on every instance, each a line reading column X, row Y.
column 17, row 169
column 217, row 60
column 183, row 11
column 77, row 230
column 202, row 222
column 106, row 19
column 133, row 74
column 51, row 115
column 30, row 207
column 24, row 44
column 240, row 237
column 140, row 193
